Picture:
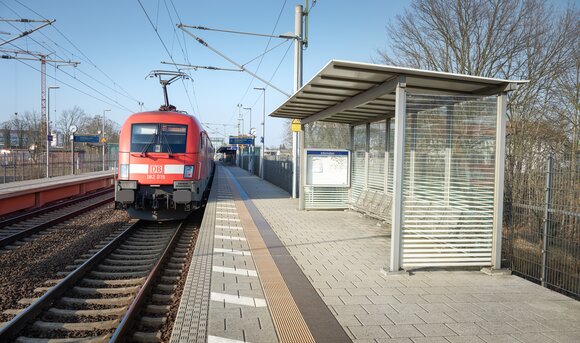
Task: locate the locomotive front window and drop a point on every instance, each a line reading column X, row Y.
column 167, row 138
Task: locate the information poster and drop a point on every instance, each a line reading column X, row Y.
column 327, row 168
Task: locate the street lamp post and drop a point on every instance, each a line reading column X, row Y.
column 103, row 137
column 263, row 132
column 240, row 130
column 251, row 159
column 249, row 109
column 48, row 141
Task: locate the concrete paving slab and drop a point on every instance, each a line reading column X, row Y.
column 341, row 254
column 402, row 330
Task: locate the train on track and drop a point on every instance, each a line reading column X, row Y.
column 165, row 164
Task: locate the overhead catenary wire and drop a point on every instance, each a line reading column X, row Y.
column 262, row 55
column 74, row 77
column 183, row 48
column 274, row 73
column 26, row 33
column 202, row 42
column 83, row 56
column 165, row 47
column 79, row 90
column 175, row 34
column 266, row 48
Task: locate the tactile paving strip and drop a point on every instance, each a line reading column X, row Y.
column 323, row 326
column 192, row 315
column 288, row 320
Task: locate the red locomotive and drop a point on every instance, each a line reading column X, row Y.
column 165, row 165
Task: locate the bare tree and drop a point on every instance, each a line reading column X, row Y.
column 94, row 126
column 29, row 128
column 6, row 132
column 511, row 39
column 74, row 116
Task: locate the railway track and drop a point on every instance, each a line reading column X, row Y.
column 123, row 291
column 16, row 229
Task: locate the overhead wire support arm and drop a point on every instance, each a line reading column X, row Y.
column 284, row 36
column 194, row 67
column 26, row 33
column 8, row 57
column 202, row 42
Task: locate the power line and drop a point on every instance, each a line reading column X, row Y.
column 196, row 67
column 275, row 71
column 262, row 55
column 26, row 33
column 86, row 58
column 202, row 42
column 81, row 91
column 164, row 46
column 77, row 79
column 72, row 76
column 175, row 34
column 183, row 48
column 266, row 48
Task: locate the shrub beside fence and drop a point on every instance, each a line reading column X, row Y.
column 542, row 225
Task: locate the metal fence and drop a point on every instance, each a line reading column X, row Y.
column 279, row 173
column 22, row 165
column 277, row 169
column 542, row 224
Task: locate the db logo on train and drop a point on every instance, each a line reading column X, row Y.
column 156, row 169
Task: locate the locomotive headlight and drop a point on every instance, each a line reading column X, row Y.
column 124, row 171
column 188, row 172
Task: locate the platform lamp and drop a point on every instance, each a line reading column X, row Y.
column 48, row 137
column 263, row 132
column 103, row 137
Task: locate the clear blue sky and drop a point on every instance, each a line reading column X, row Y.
column 118, row 39
column 122, row 46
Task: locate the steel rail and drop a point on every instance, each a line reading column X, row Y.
column 135, row 308
column 37, row 212
column 27, row 232
column 13, row 327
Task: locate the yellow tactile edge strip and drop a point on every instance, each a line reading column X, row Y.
column 288, row 321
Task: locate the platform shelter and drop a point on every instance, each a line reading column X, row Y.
column 425, row 154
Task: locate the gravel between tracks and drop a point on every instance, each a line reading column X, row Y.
column 27, row 267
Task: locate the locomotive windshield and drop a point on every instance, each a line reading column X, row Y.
column 168, row 138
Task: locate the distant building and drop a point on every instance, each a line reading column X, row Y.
column 217, row 142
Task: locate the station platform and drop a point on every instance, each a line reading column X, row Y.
column 262, row 271
column 21, row 195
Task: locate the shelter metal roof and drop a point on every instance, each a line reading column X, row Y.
column 353, row 93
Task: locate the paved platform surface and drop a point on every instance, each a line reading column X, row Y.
column 339, row 255
column 8, row 189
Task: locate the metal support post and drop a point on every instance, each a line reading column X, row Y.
column 398, row 170
column 547, row 219
column 351, row 142
column 263, row 132
column 48, row 132
column 72, row 155
column 302, row 174
column 387, row 148
column 103, row 138
column 367, row 154
column 297, row 85
column 499, row 180
column 250, row 148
